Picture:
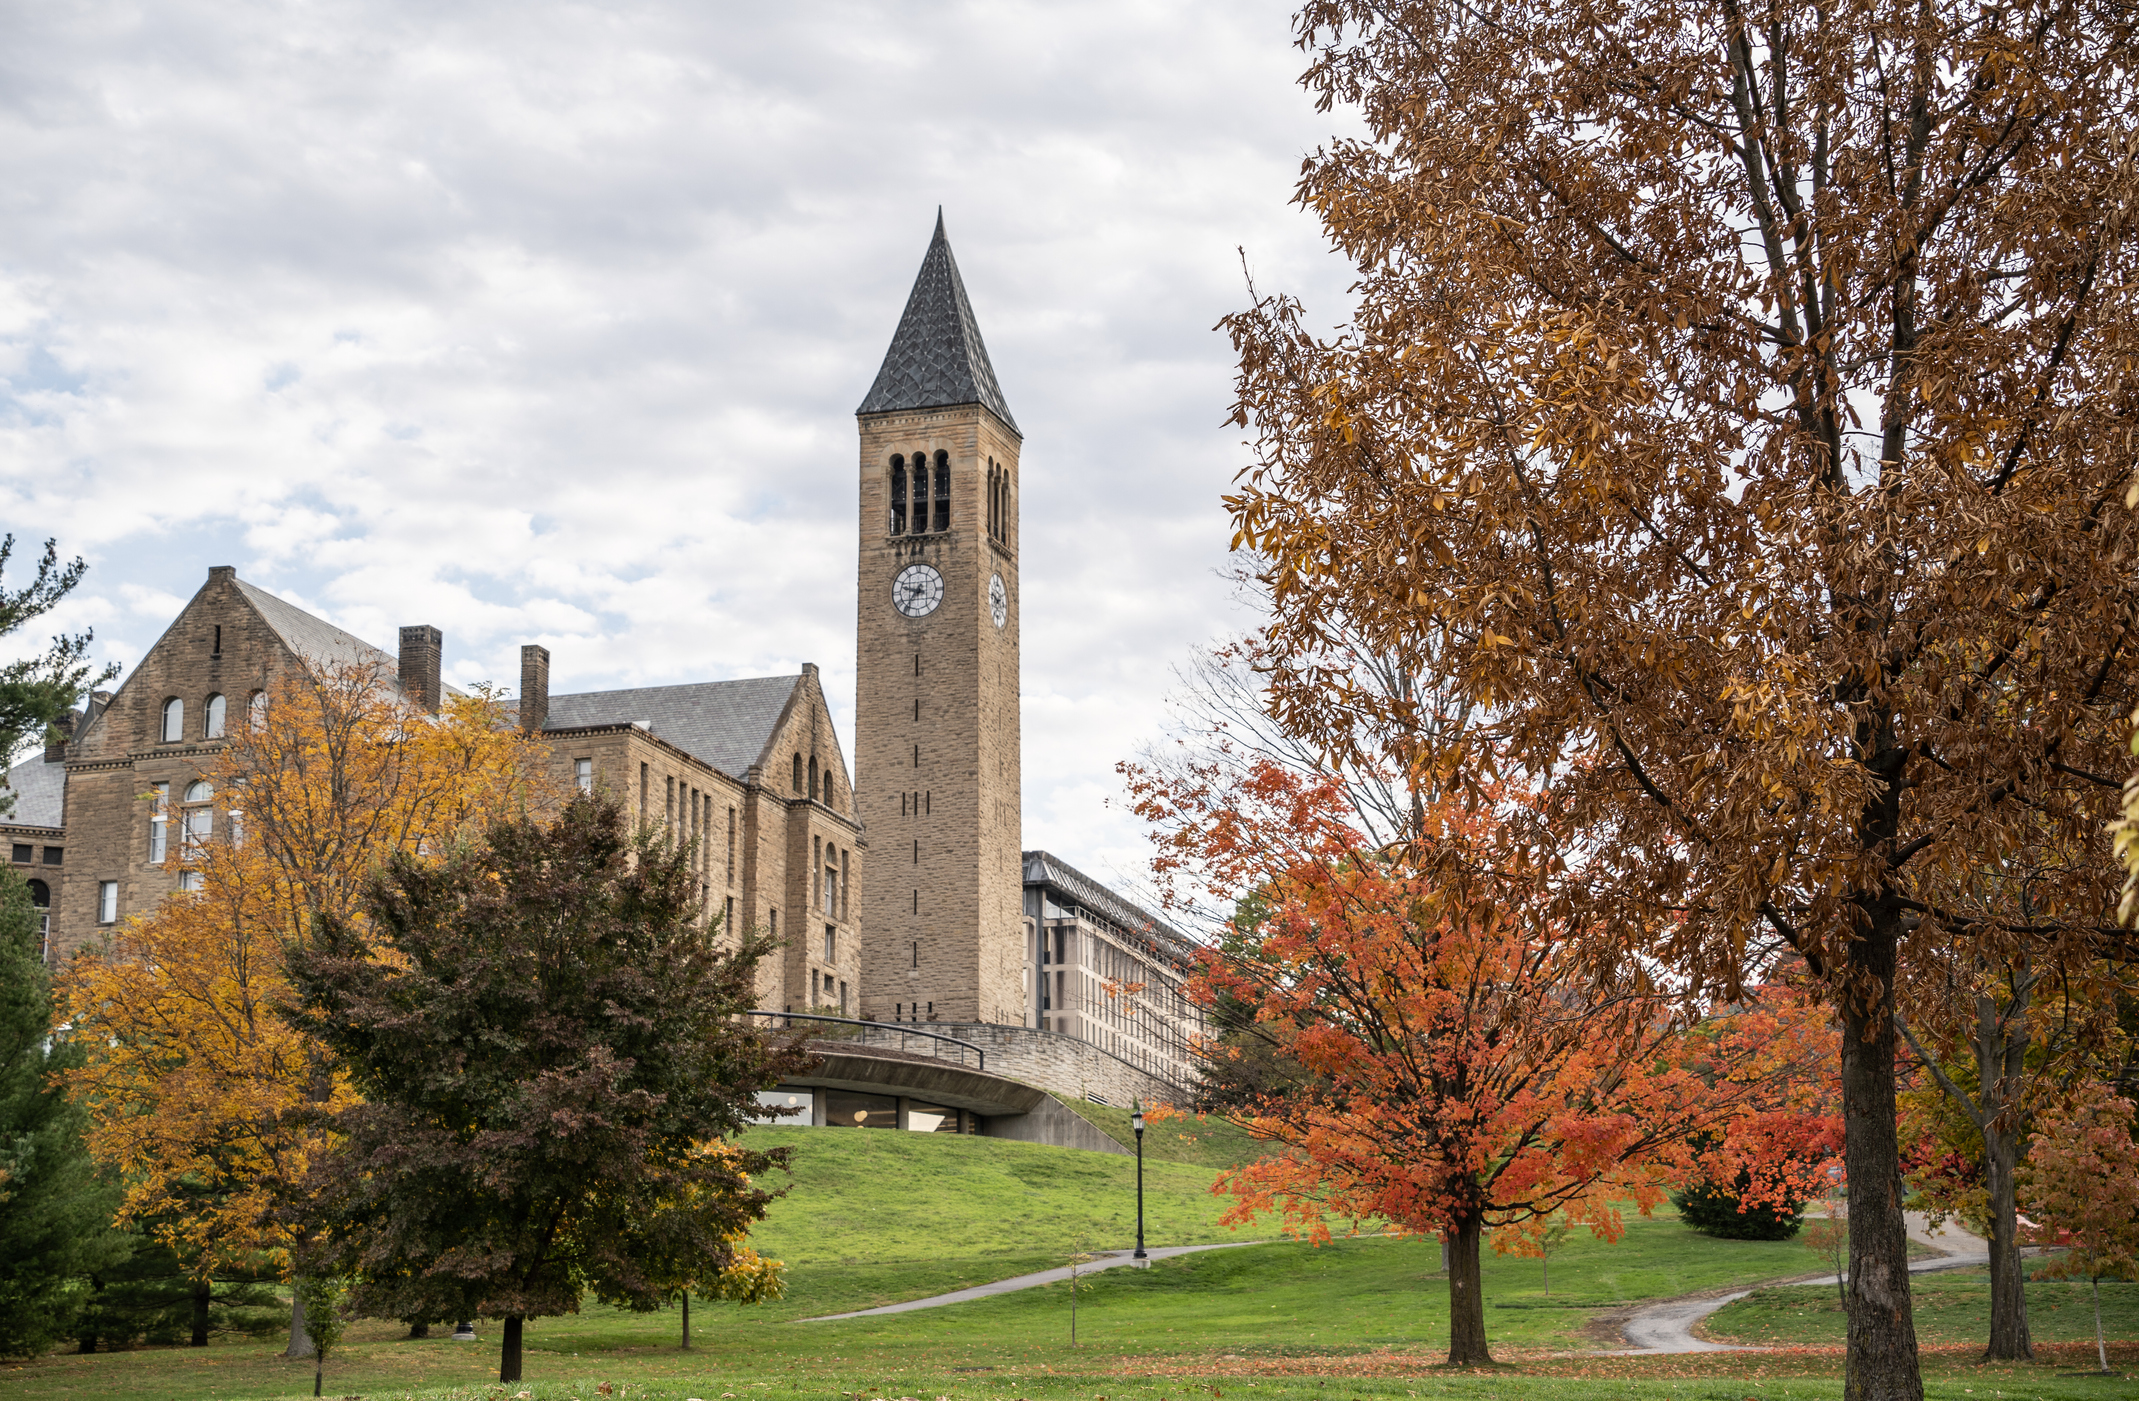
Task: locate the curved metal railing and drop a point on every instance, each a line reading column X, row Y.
column 882, row 1034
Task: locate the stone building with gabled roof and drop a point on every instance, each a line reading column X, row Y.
column 748, row 774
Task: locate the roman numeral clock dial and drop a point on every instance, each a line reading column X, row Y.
column 917, row 590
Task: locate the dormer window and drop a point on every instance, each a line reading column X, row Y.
column 174, row 720
column 212, row 718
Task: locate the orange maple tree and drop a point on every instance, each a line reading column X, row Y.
column 1463, row 1071
column 201, row 1095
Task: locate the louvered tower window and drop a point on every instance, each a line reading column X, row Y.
column 898, row 494
column 943, row 491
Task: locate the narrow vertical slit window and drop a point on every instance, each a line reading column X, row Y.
column 644, row 778
column 731, row 846
column 943, row 491
column 815, row 790
column 920, row 504
column 898, row 494
column 846, row 884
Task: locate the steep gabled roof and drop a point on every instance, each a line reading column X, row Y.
column 728, row 724
column 39, row 790
column 937, row 358
column 314, row 639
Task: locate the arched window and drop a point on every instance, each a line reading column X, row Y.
column 898, row 494
column 40, row 895
column 813, row 776
column 256, row 710
column 174, row 720
column 920, row 502
column 798, row 775
column 212, row 718
column 943, row 491
column 199, row 819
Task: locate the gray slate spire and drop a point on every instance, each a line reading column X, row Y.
column 937, row 358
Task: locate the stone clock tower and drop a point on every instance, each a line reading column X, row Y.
column 936, row 676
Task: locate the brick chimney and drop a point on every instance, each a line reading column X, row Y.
column 222, row 571
column 423, row 650
column 534, row 687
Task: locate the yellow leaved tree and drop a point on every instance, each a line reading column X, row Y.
column 201, row 1096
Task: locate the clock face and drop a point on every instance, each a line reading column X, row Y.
column 998, row 601
column 917, row 591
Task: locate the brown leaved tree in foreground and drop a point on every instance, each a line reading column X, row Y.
column 1739, row 398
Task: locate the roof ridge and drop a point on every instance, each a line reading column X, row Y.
column 937, row 358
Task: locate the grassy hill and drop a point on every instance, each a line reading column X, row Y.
column 876, row 1217
column 863, row 1196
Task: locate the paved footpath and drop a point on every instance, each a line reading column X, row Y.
column 1668, row 1327
column 1109, row 1260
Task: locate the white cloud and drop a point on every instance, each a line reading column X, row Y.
column 547, row 322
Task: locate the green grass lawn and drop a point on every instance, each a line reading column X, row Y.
column 877, row 1217
column 1951, row 1307
column 868, row 1195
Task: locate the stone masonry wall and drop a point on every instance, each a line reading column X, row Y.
column 1062, row 1065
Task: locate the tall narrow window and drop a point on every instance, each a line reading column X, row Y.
column 219, row 639
column 235, row 818
column 199, row 818
column 813, row 776
column 846, row 867
column 731, row 846
column 159, row 823
column 798, row 776
column 583, row 775
column 174, row 720
column 645, row 776
column 898, row 495
column 772, row 922
column 831, row 944
column 107, row 902
column 668, row 801
column 943, row 491
column 920, row 502
column 817, row 867
column 256, row 710
column 212, row 718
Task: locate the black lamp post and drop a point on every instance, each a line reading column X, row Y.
column 1136, row 1122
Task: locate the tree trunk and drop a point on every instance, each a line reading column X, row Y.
column 509, row 1353
column 1882, row 1362
column 1466, row 1297
column 2008, row 1294
column 686, row 1320
column 419, row 1328
column 203, row 1295
column 300, row 1341
column 2101, row 1349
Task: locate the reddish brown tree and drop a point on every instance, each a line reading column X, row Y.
column 1463, row 1073
column 1737, row 408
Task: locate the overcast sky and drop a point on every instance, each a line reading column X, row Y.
column 547, row 322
